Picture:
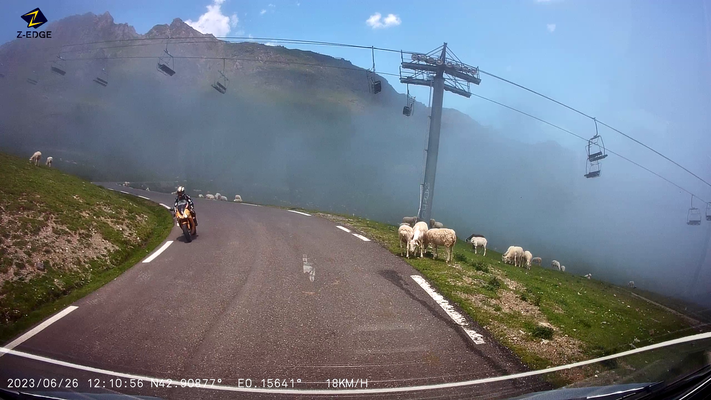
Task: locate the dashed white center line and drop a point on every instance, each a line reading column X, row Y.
column 343, row 229
column 167, row 208
column 449, row 309
column 157, row 252
column 39, row 328
column 299, row 212
column 143, row 197
column 361, row 237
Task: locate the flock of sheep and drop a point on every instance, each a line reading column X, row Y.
column 218, row 196
column 37, row 158
column 418, row 236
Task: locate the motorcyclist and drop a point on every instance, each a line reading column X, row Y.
column 184, row 196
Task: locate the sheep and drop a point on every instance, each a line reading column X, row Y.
column 435, row 224
column 469, row 239
column 537, row 260
column 528, row 257
column 631, row 284
column 441, row 237
column 223, row 198
column 217, row 196
column 238, row 198
column 409, row 220
column 405, row 233
column 555, row 264
column 589, row 276
column 478, row 241
column 210, row 196
column 514, row 254
column 36, row 158
column 418, row 236
column 148, row 189
column 201, row 196
column 562, row 268
column 49, row 161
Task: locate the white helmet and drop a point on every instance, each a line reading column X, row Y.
column 181, row 190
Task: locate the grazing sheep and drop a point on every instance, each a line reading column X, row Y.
column 223, row 198
column 537, row 260
column 238, row 198
column 555, row 264
column 631, row 284
column 148, row 189
column 210, row 196
column 589, row 276
column 36, row 158
column 405, row 233
column 201, row 196
column 478, row 241
column 435, row 224
column 528, row 257
column 49, row 161
column 514, row 255
column 562, row 268
column 441, row 237
column 409, row 220
column 418, row 236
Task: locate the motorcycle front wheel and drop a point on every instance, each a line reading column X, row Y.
column 186, row 233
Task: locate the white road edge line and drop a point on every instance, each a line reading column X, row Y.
column 56, row 317
column 121, row 191
column 449, row 309
column 691, row 338
column 361, row 237
column 143, row 197
column 343, row 229
column 299, row 212
column 157, row 252
column 248, row 204
column 166, row 207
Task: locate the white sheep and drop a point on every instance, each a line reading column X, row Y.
column 418, row 236
column 441, row 237
column 528, row 257
column 537, row 260
column 49, row 161
column 589, row 276
column 436, row 225
column 210, row 196
column 405, row 232
column 238, row 198
column 218, row 195
column 515, row 255
column 223, row 198
column 562, row 268
column 36, row 158
column 201, row 196
column 478, row 241
column 555, row 264
column 409, row 220
column 631, row 284
column 148, row 189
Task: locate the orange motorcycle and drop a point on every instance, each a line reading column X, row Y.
column 185, row 220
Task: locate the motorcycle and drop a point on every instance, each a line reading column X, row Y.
column 185, row 220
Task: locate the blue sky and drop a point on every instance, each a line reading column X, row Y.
column 641, row 66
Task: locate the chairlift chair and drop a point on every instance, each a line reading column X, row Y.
column 166, row 63
column 409, row 108
column 592, row 169
column 221, row 83
column 595, row 150
column 103, row 78
column 693, row 217
column 58, row 66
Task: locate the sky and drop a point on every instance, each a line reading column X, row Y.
column 643, row 67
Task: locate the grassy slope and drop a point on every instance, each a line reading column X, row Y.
column 43, row 209
column 582, row 318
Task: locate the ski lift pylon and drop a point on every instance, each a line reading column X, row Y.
column 58, row 66
column 220, row 83
column 166, row 63
column 693, row 217
column 595, row 150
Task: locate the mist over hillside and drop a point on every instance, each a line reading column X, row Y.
column 301, row 128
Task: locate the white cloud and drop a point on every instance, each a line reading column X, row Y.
column 271, row 5
column 551, row 28
column 262, row 12
column 376, row 21
column 272, row 44
column 298, row 4
column 214, row 21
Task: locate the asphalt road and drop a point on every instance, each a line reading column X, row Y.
column 236, row 304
